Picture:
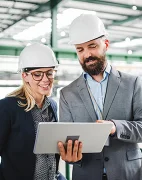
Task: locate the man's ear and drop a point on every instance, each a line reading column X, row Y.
column 25, row 77
column 107, row 43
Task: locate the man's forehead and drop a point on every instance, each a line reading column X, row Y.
column 89, row 43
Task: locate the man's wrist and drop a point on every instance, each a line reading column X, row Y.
column 113, row 134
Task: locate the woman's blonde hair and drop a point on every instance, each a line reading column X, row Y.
column 26, row 95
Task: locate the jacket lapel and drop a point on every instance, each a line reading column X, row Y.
column 84, row 94
column 54, row 108
column 112, row 87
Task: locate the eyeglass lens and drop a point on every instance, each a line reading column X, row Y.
column 38, row 75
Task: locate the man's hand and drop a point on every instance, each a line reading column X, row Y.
column 71, row 153
column 113, row 130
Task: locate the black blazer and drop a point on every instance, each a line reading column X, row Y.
column 17, row 137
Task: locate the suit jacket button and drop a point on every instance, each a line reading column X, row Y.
column 106, row 159
column 128, row 137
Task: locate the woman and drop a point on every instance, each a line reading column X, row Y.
column 20, row 113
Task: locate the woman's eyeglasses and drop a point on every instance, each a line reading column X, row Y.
column 38, row 75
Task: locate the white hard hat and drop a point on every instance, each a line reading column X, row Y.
column 86, row 27
column 35, row 56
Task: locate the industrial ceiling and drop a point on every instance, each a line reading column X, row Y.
column 26, row 21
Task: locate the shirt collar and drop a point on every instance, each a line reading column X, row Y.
column 46, row 103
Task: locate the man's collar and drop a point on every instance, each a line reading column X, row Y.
column 108, row 68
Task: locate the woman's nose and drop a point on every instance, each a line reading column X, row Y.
column 45, row 77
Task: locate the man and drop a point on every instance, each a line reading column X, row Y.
column 101, row 94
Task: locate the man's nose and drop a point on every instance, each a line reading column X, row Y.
column 87, row 53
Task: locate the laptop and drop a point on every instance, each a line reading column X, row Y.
column 92, row 135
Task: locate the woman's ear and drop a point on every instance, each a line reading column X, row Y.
column 25, row 77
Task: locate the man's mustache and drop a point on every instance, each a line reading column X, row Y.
column 91, row 58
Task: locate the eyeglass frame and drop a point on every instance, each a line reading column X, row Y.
column 42, row 75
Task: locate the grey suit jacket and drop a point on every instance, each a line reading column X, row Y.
column 123, row 105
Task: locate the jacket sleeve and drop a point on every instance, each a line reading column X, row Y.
column 64, row 111
column 65, row 116
column 5, row 124
column 131, row 131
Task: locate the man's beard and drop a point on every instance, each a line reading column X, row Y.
column 95, row 68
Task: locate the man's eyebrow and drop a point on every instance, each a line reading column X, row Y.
column 78, row 47
column 92, row 44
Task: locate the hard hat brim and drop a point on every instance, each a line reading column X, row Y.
column 84, row 41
